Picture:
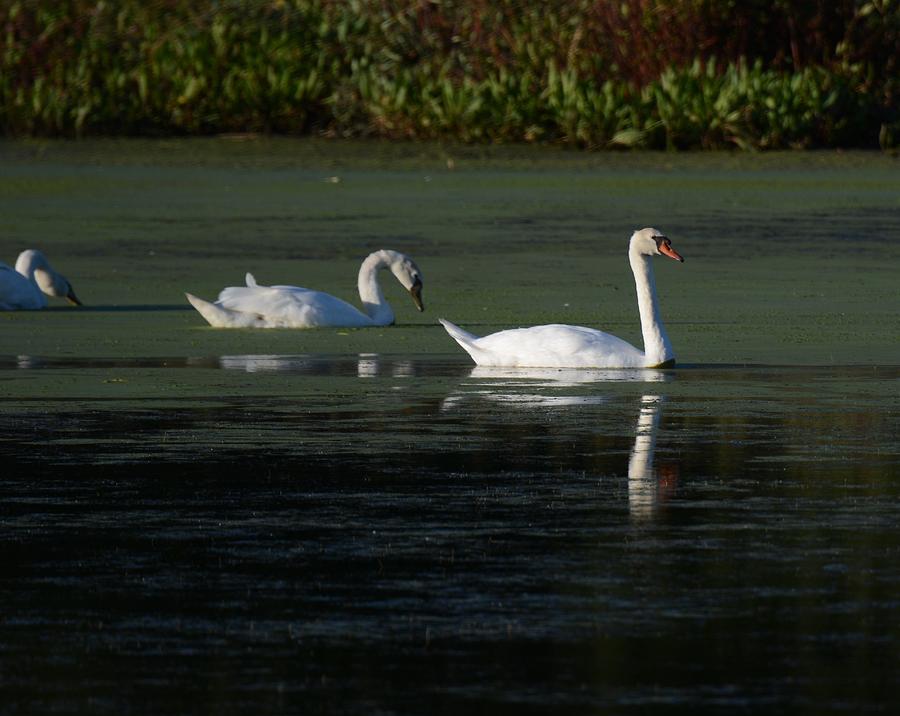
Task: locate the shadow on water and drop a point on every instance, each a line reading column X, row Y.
column 120, row 308
column 332, row 529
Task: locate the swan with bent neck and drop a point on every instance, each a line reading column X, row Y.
column 27, row 286
column 562, row 346
column 256, row 306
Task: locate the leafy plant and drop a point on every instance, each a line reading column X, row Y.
column 637, row 73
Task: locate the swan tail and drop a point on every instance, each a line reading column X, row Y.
column 251, row 280
column 220, row 317
column 458, row 334
column 465, row 339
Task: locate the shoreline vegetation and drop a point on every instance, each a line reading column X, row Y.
column 657, row 74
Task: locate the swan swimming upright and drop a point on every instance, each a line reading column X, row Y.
column 561, row 346
column 255, row 306
column 23, row 288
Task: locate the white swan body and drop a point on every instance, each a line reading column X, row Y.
column 255, row 306
column 24, row 287
column 561, row 346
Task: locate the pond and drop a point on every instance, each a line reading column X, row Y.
column 361, row 521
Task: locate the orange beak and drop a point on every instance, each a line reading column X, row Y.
column 667, row 250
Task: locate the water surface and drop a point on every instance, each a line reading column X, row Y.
column 408, row 535
column 361, row 522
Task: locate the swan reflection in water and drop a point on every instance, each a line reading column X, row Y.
column 267, row 363
column 516, row 379
column 367, row 365
column 647, row 485
column 370, row 365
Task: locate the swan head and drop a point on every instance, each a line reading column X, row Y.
column 408, row 274
column 652, row 242
column 54, row 284
column 34, row 263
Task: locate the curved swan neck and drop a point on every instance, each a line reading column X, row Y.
column 33, row 265
column 31, row 261
column 657, row 348
column 374, row 304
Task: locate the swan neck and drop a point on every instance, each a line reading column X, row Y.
column 30, row 261
column 657, row 347
column 34, row 267
column 373, row 302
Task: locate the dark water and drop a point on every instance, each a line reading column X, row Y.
column 384, row 535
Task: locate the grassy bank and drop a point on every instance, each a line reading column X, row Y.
column 672, row 74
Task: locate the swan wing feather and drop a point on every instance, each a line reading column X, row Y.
column 292, row 307
column 17, row 292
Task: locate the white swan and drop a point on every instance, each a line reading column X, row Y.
column 23, row 288
column 561, row 346
column 256, row 306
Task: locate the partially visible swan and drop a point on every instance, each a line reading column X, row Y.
column 561, row 346
column 256, row 306
column 24, row 287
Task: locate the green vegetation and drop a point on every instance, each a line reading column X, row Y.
column 649, row 73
